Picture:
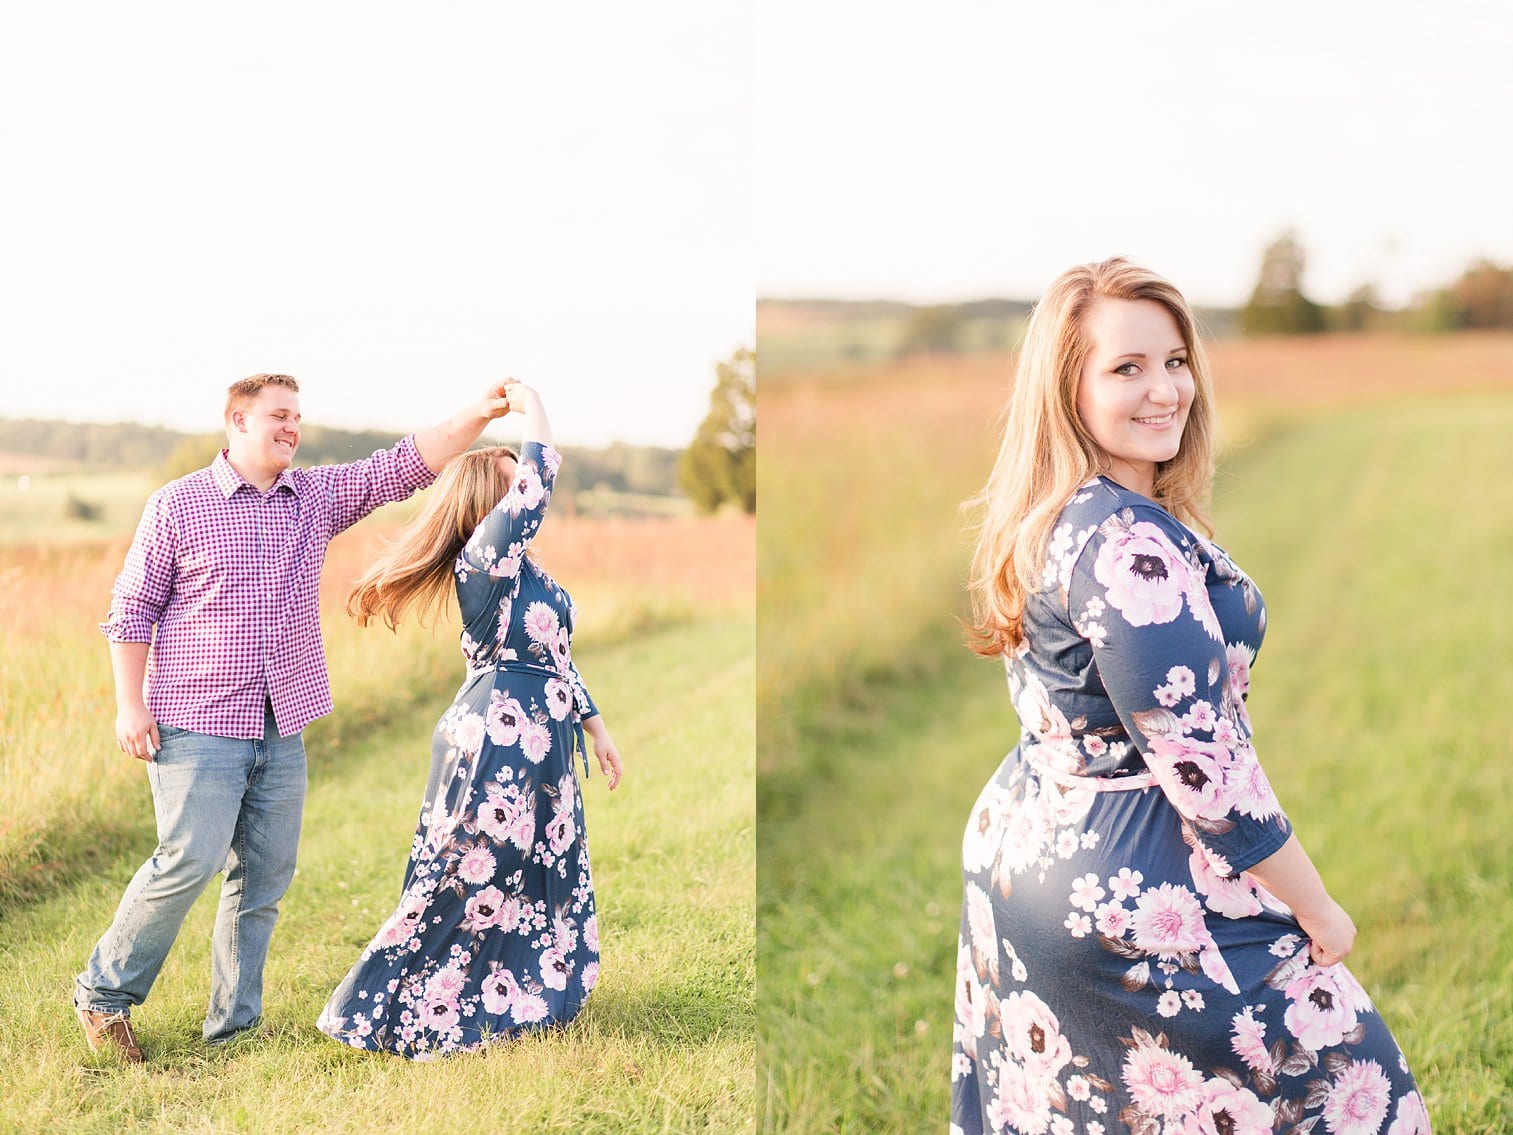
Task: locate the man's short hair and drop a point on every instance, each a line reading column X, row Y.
column 239, row 394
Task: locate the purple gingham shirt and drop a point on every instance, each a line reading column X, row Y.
column 230, row 577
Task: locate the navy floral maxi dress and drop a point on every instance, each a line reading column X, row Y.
column 1117, row 970
column 495, row 930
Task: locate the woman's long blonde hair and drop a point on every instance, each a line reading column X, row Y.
column 416, row 569
column 1047, row 453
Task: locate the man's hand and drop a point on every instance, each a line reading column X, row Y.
column 137, row 732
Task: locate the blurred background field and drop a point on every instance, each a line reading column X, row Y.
column 665, row 640
column 1366, row 485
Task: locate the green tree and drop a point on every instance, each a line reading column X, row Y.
column 1278, row 305
column 194, row 451
column 932, row 330
column 1483, row 296
column 719, row 465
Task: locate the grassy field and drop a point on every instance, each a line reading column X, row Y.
column 1368, row 493
column 666, row 1043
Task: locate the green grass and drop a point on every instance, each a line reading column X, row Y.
column 1381, row 540
column 665, row 1044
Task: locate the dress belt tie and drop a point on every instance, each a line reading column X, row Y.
column 517, row 666
column 1128, row 783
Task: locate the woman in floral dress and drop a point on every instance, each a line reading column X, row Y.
column 495, row 930
column 1145, row 945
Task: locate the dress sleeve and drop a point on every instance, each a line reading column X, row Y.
column 1159, row 650
column 585, row 703
column 356, row 488
column 142, row 589
column 498, row 544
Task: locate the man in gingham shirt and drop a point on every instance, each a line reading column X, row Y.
column 225, row 568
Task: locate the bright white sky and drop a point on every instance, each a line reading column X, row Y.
column 965, row 148
column 394, row 203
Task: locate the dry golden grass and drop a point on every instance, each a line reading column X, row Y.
column 59, row 769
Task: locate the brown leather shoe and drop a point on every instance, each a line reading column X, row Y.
column 110, row 1031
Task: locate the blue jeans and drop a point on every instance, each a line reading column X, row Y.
column 222, row 804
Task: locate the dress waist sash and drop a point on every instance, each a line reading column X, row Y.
column 1127, row 783
column 517, row 666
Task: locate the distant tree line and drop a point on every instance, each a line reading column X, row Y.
column 642, row 469
column 1482, row 298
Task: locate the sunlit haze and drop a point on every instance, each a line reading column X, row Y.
column 394, row 204
column 972, row 148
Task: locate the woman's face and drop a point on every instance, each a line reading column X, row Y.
column 1136, row 388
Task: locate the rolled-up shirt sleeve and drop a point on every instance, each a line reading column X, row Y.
column 357, row 488
column 142, row 588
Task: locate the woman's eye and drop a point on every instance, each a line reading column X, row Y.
column 1126, row 369
column 1175, row 364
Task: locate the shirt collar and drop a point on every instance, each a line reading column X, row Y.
column 228, row 480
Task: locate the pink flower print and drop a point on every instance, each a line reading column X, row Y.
column 499, row 990
column 467, row 732
column 1086, row 892
column 510, row 912
column 1253, row 793
column 483, row 909
column 1216, row 969
column 1168, row 921
column 1320, row 1010
column 1078, row 1088
column 506, row 815
column 1192, row 772
column 505, row 717
column 591, row 933
column 564, row 937
column 1079, row 924
column 535, row 741
column 477, row 866
column 1066, row 844
column 1199, row 717
column 1143, row 575
column 1226, row 734
column 589, row 976
column 1019, row 1101
column 1358, row 1099
column 971, row 1010
column 1182, row 681
column 1233, row 898
column 527, row 485
column 1094, row 745
column 1237, row 658
column 401, row 924
column 1248, row 1039
column 554, row 968
column 1112, row 920
column 983, row 930
column 1226, row 1109
column 561, row 654
column 540, row 623
column 559, row 698
column 446, row 984
column 1169, row 1003
column 1193, row 1000
column 551, row 459
column 1201, row 605
column 560, row 830
column 1126, row 884
column 439, row 1016
column 1412, row 1117
column 984, row 833
column 1161, row 1082
column 528, row 1008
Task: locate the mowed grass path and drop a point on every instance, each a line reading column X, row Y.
column 1381, row 537
column 665, row 1044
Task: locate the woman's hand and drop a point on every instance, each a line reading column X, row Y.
column 1331, row 931
column 521, row 398
column 604, row 749
column 496, row 401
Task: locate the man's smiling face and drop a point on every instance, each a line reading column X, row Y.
column 264, row 434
